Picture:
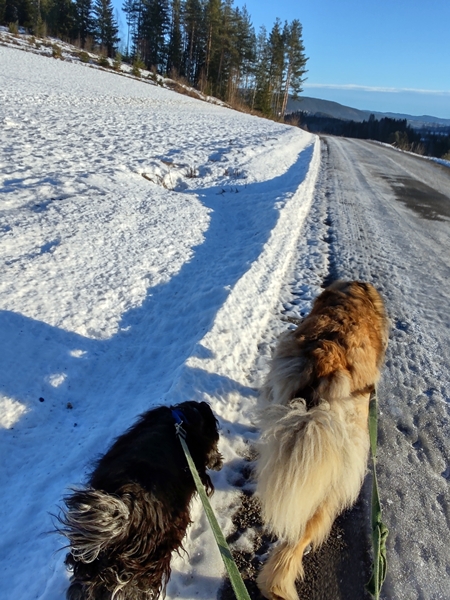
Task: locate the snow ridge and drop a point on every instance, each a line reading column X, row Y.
column 145, row 236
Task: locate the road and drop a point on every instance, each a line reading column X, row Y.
column 389, row 223
column 383, row 216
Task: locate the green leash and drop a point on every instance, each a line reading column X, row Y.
column 379, row 529
column 235, row 577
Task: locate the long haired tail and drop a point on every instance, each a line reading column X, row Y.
column 93, row 521
column 308, row 457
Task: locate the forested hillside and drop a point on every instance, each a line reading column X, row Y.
column 209, row 43
column 428, row 141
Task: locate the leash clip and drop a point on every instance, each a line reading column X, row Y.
column 176, row 414
column 179, row 430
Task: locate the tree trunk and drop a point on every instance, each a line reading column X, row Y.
column 286, row 92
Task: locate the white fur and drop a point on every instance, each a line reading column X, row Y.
column 91, row 526
column 309, row 457
column 313, row 461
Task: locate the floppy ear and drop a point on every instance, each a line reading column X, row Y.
column 205, row 409
column 208, row 415
column 199, row 418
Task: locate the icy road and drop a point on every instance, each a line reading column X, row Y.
column 388, row 219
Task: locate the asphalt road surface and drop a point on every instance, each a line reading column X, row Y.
column 385, row 216
column 389, row 222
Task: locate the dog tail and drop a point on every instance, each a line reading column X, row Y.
column 93, row 521
column 308, row 457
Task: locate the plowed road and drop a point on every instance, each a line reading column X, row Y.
column 389, row 223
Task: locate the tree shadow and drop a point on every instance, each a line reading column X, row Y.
column 79, row 393
column 141, row 360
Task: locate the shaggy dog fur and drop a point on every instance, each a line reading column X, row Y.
column 134, row 513
column 316, row 442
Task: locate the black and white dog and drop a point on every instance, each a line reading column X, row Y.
column 124, row 526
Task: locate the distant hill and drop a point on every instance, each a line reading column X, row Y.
column 326, row 108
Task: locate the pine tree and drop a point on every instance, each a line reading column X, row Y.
column 276, row 47
column 42, row 23
column 244, row 42
column 11, row 12
column 128, row 8
column 175, row 45
column 224, row 53
column 22, row 12
column 295, row 60
column 84, row 24
column 105, row 26
column 2, row 11
column 262, row 93
column 155, row 27
column 193, row 26
column 134, row 10
column 32, row 10
column 61, row 18
column 213, row 17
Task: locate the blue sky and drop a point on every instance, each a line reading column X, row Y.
column 389, row 55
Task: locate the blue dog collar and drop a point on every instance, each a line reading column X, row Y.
column 178, row 416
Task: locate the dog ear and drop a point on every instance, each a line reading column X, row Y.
column 205, row 408
column 208, row 414
column 199, row 417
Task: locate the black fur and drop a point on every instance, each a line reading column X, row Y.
column 134, row 513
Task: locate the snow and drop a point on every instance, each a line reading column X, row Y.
column 439, row 161
column 120, row 292
column 154, row 246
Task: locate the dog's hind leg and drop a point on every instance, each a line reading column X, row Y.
column 277, row 578
column 276, row 581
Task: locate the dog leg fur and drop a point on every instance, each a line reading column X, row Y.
column 276, row 581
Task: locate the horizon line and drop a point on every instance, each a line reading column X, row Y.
column 377, row 89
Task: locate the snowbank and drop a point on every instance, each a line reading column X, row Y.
column 145, row 237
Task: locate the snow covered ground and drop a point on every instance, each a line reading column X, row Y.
column 152, row 245
column 145, row 237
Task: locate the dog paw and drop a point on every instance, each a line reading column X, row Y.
column 276, row 591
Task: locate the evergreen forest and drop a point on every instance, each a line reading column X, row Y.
column 208, row 44
column 425, row 141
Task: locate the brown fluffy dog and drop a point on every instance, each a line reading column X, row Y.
column 314, row 454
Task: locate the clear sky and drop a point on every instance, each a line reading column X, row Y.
column 388, row 55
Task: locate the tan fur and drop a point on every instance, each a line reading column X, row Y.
column 315, row 439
